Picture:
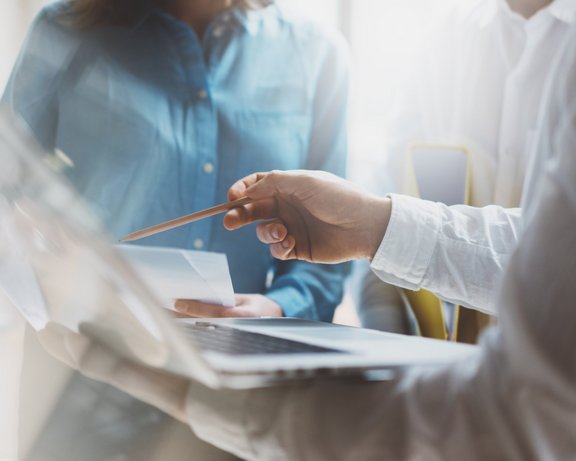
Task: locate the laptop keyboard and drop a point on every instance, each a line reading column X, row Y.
column 223, row 339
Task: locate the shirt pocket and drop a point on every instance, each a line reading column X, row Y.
column 272, row 140
column 275, row 97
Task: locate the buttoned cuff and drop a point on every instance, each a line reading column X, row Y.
column 291, row 301
column 404, row 255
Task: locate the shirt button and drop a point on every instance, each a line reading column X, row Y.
column 198, row 244
column 218, row 31
column 208, row 168
column 202, row 94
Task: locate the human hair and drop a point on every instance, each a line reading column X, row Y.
column 88, row 13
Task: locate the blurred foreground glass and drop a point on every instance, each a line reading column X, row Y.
column 65, row 273
column 74, row 277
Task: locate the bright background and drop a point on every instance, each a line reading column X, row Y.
column 383, row 36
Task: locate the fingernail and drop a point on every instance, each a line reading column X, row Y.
column 286, row 244
column 275, row 234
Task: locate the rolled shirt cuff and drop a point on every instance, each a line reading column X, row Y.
column 406, row 250
column 292, row 302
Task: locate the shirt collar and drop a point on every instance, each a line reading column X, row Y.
column 148, row 10
column 252, row 20
column 486, row 11
column 563, row 10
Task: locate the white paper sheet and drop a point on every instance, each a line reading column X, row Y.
column 182, row 274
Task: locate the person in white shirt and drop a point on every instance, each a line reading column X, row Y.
column 478, row 85
column 515, row 398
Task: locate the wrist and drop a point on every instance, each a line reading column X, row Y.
column 379, row 211
column 273, row 308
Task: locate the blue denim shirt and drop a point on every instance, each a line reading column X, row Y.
column 159, row 123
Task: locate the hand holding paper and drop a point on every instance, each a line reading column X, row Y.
column 247, row 305
column 182, row 274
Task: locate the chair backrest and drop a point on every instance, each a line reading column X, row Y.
column 428, row 311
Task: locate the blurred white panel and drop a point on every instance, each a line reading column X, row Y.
column 11, row 32
column 386, row 36
column 15, row 16
column 11, row 341
column 323, row 11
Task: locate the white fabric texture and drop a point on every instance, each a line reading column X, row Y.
column 458, row 252
column 483, row 89
column 514, row 400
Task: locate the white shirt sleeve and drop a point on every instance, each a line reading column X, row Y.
column 458, row 252
column 514, row 399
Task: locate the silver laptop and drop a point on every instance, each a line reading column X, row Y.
column 84, row 285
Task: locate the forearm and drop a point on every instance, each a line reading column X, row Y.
column 457, row 252
column 376, row 420
column 476, row 409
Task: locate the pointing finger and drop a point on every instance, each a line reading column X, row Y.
column 256, row 211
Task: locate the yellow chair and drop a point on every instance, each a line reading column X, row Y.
column 429, row 313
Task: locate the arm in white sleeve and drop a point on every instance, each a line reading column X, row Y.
column 514, row 399
column 458, row 252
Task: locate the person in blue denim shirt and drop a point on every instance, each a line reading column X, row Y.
column 161, row 106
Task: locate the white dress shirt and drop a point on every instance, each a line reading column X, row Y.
column 483, row 87
column 515, row 399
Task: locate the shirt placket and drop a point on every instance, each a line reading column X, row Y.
column 510, row 139
column 201, row 121
column 514, row 130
